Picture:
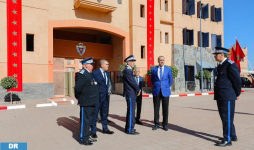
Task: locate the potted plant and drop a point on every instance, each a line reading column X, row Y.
column 9, row 83
column 206, row 76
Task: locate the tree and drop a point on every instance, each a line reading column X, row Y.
column 9, row 83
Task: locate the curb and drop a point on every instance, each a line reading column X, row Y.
column 183, row 95
column 12, row 107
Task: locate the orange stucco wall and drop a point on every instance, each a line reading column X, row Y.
column 67, row 49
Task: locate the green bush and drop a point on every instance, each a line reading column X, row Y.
column 206, row 75
column 9, row 82
column 173, row 68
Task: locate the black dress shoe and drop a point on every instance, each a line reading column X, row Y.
column 92, row 140
column 223, row 143
column 109, row 121
column 88, row 143
column 156, row 127
column 94, row 136
column 139, row 122
column 133, row 133
column 165, row 128
column 234, row 139
column 108, row 132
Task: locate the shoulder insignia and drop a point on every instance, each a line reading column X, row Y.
column 230, row 61
column 128, row 67
column 82, row 71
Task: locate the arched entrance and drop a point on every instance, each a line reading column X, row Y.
column 102, row 41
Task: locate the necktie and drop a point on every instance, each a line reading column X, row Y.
column 160, row 73
column 105, row 77
column 137, row 79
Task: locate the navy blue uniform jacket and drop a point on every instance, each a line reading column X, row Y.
column 227, row 84
column 131, row 88
column 86, row 90
column 103, row 87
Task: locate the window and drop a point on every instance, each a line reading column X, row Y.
column 160, row 37
column 166, row 5
column 143, row 49
column 188, row 7
column 142, row 11
column 216, row 40
column 215, row 14
column 119, row 1
column 189, row 73
column 166, row 38
column 30, row 42
column 188, row 37
column 205, row 39
column 205, row 13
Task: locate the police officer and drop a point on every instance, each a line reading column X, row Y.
column 87, row 94
column 131, row 91
column 227, row 89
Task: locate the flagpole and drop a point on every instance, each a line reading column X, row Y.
column 202, row 90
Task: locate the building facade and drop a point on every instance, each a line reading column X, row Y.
column 55, row 34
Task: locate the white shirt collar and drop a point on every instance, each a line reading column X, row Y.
column 129, row 67
column 102, row 70
column 223, row 61
column 161, row 67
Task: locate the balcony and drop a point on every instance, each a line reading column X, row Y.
column 93, row 6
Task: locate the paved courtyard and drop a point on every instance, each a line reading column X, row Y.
column 194, row 123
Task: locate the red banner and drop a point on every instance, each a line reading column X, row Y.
column 14, row 41
column 150, row 33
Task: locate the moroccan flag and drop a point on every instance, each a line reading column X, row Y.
column 14, row 41
column 233, row 54
column 150, row 33
column 239, row 55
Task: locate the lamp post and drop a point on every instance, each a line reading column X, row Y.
column 201, row 44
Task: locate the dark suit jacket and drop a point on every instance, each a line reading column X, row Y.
column 86, row 90
column 130, row 85
column 140, row 84
column 103, row 87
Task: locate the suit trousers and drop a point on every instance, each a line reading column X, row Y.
column 86, row 114
column 101, row 107
column 156, row 103
column 227, row 110
column 139, row 106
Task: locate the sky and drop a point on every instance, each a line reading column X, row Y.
column 239, row 22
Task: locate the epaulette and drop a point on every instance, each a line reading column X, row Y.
column 128, row 67
column 230, row 61
column 82, row 71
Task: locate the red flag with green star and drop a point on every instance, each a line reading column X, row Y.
column 239, row 55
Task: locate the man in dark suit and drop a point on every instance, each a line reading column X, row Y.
column 162, row 79
column 140, row 82
column 131, row 91
column 101, row 76
column 87, row 94
column 227, row 89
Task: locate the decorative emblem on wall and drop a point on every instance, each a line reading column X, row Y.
column 99, row 1
column 80, row 49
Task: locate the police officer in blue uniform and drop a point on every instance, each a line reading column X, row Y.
column 227, row 89
column 87, row 94
column 131, row 91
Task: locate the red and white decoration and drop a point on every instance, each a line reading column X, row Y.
column 150, row 33
column 14, row 41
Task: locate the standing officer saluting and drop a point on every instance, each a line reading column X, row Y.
column 227, row 89
column 131, row 91
column 87, row 93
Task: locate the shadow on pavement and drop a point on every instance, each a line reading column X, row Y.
column 113, row 124
column 242, row 113
column 72, row 124
column 177, row 128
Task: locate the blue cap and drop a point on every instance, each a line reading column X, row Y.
column 130, row 58
column 219, row 50
column 88, row 60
